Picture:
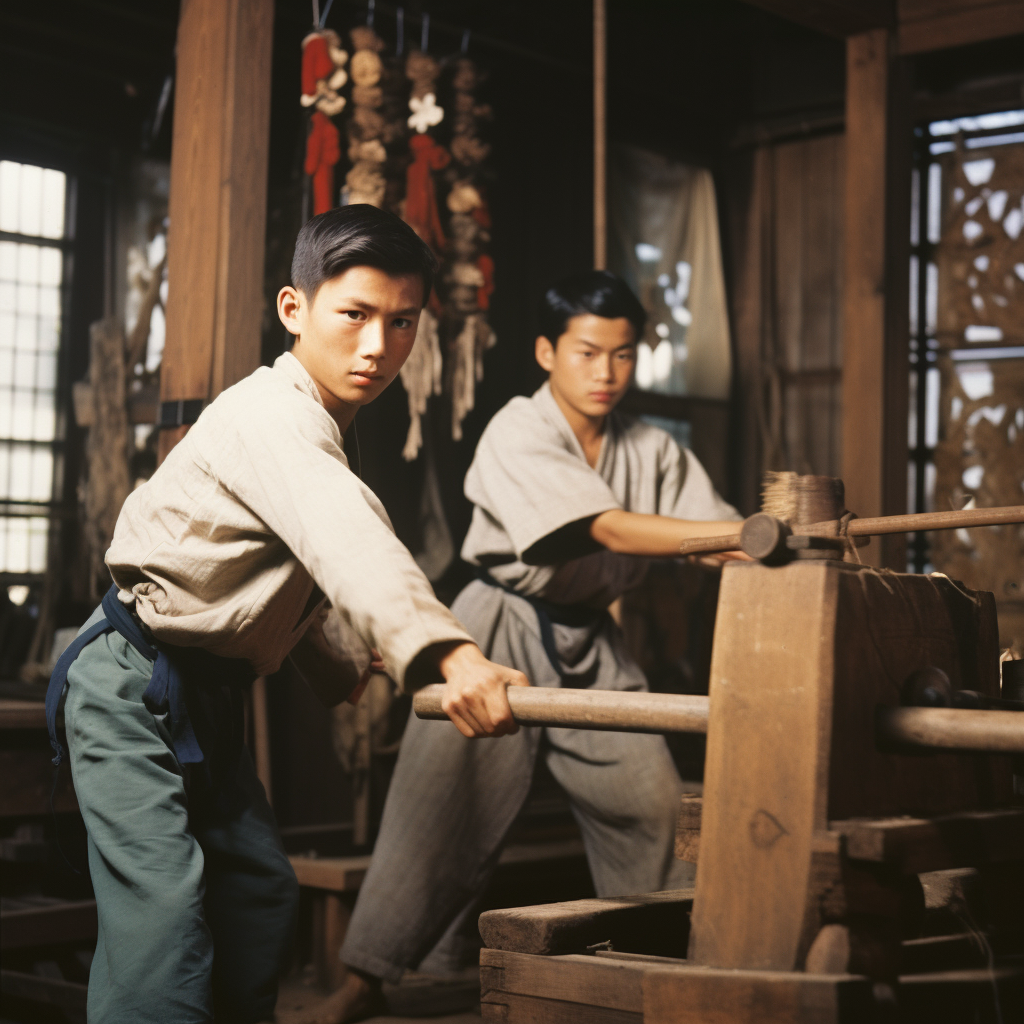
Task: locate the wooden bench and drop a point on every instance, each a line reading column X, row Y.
column 335, row 882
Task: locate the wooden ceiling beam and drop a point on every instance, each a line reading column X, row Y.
column 839, row 18
column 940, row 24
column 922, row 25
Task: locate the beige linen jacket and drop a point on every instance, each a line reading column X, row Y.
column 253, row 521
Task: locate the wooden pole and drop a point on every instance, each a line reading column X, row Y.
column 876, row 286
column 217, row 205
column 600, row 138
column 608, row 710
column 261, row 734
column 954, row 729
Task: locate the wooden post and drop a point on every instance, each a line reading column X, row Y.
column 261, row 735
column 600, row 137
column 217, row 206
column 876, row 293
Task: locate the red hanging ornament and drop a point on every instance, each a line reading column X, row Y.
column 420, row 197
column 323, row 150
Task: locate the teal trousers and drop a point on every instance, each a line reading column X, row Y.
column 195, row 895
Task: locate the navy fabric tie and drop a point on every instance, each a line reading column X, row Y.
column 164, row 696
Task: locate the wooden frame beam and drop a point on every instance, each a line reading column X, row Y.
column 876, row 286
column 600, row 137
column 218, row 200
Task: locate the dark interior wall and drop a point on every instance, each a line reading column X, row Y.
column 683, row 76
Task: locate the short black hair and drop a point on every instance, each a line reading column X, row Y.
column 599, row 292
column 359, row 235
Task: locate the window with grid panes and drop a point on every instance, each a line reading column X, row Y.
column 33, row 239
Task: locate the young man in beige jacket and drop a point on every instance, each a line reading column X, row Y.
column 251, row 544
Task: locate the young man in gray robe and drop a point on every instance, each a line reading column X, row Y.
column 572, row 499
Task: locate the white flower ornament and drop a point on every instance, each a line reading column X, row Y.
column 425, row 113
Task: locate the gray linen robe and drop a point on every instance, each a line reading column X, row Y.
column 452, row 800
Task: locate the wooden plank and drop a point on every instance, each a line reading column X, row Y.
column 38, row 926
column 592, row 981
column 706, row 996
column 335, row 874
column 876, row 287
column 951, row 997
column 655, row 923
column 943, row 953
column 22, row 714
column 217, row 205
column 533, row 1010
column 67, row 995
column 346, row 874
column 960, row 24
column 28, row 781
column 914, row 845
column 770, row 698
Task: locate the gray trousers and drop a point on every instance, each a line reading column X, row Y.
column 452, row 800
column 195, row 895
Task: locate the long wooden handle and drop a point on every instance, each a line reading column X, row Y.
column 964, row 519
column 954, row 728
column 961, row 520
column 609, row 710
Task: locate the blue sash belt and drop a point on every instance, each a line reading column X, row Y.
column 548, row 615
column 166, row 693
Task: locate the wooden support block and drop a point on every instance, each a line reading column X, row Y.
column 46, row 925
column 511, row 1009
column 803, row 654
column 914, row 845
column 654, row 923
column 693, row 995
column 587, row 980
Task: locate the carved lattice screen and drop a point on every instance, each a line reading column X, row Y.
column 979, row 342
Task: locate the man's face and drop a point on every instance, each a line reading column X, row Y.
column 592, row 364
column 355, row 335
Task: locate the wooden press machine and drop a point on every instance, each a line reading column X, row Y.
column 858, row 743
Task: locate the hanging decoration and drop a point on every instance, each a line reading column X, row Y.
column 323, row 74
column 365, row 180
column 469, row 268
column 396, row 127
column 422, row 375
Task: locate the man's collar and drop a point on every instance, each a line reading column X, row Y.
column 290, row 366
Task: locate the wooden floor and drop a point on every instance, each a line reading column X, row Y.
column 296, row 995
